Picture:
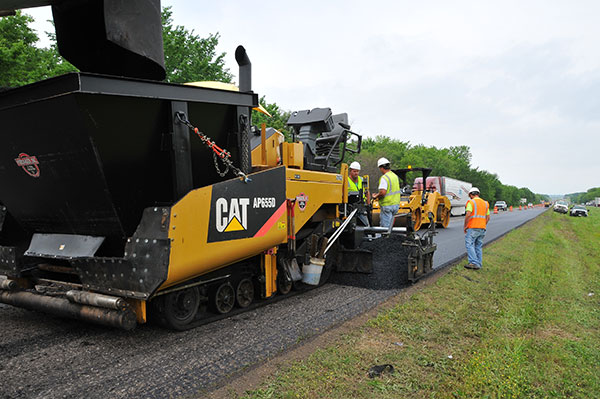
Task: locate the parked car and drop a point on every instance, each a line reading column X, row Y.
column 561, row 207
column 501, row 205
column 578, row 210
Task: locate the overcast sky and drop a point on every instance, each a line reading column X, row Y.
column 516, row 81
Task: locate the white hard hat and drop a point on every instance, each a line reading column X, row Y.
column 355, row 165
column 382, row 161
column 474, row 190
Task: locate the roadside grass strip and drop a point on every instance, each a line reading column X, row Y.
column 525, row 326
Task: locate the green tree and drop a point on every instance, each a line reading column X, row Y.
column 462, row 161
column 277, row 120
column 190, row 58
column 510, row 194
column 381, row 146
column 487, row 183
column 21, row 62
column 54, row 63
column 589, row 195
column 16, row 50
column 453, row 162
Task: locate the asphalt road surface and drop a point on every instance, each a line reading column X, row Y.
column 46, row 357
column 451, row 240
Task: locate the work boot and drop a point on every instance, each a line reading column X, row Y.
column 472, row 266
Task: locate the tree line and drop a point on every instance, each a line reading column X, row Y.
column 189, row 57
column 21, row 62
column 582, row 198
column 454, row 162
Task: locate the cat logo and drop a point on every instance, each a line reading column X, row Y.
column 232, row 215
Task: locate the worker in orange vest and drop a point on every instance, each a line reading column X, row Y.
column 476, row 218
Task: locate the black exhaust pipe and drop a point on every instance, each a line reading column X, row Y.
column 245, row 85
column 62, row 307
column 245, row 68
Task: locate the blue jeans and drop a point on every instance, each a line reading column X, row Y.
column 386, row 215
column 474, row 243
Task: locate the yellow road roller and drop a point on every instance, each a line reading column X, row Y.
column 436, row 205
column 418, row 207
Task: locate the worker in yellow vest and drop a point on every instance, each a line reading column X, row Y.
column 476, row 218
column 356, row 192
column 389, row 193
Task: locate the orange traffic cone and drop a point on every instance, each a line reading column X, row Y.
column 519, row 207
column 495, row 210
column 510, row 208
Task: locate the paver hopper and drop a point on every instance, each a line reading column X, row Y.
column 86, row 157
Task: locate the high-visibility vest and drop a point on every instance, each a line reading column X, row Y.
column 356, row 188
column 392, row 196
column 479, row 215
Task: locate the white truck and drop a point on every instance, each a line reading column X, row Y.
column 457, row 191
column 597, row 201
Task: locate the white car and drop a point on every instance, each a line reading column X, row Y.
column 578, row 210
column 561, row 207
column 501, row 205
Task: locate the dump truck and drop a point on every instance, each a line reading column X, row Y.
column 125, row 199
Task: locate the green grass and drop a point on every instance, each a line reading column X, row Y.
column 526, row 326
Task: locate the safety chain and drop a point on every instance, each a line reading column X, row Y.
column 223, row 173
column 218, row 152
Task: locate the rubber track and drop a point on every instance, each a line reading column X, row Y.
column 236, row 311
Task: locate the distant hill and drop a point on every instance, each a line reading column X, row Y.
column 556, row 196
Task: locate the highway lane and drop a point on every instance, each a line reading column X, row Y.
column 451, row 241
column 46, row 357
